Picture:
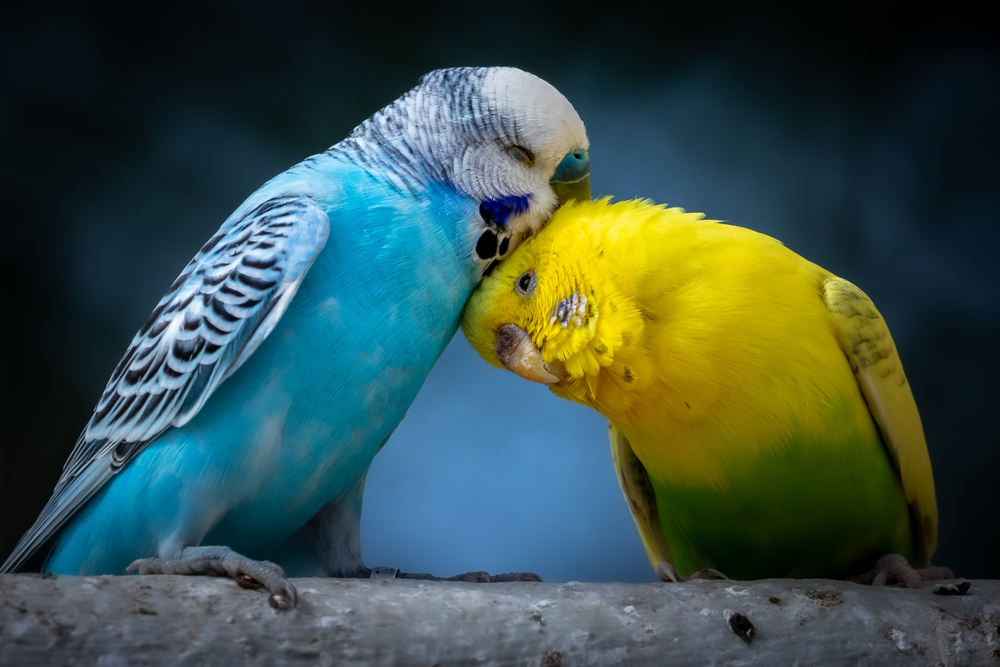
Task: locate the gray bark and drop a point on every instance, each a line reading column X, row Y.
column 171, row 620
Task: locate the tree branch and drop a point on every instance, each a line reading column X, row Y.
column 171, row 620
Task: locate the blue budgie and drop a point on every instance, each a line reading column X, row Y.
column 241, row 421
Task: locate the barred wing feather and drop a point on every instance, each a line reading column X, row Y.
column 225, row 302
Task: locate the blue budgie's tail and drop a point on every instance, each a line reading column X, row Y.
column 59, row 509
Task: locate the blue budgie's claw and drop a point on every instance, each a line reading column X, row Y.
column 479, row 577
column 385, row 572
column 487, row 578
column 223, row 561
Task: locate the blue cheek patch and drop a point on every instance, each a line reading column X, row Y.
column 498, row 211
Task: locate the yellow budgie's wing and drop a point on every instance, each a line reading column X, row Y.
column 865, row 339
column 641, row 498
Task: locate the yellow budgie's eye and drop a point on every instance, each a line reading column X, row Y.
column 525, row 285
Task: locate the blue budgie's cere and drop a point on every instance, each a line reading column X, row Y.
column 247, row 410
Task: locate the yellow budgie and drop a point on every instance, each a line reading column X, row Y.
column 761, row 423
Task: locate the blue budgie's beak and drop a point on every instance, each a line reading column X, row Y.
column 572, row 177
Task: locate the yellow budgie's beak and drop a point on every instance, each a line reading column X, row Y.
column 515, row 349
column 572, row 177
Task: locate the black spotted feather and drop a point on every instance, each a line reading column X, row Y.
column 223, row 304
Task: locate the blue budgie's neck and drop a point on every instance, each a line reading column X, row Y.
column 478, row 146
column 413, row 139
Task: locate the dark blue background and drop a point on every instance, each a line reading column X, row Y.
column 864, row 136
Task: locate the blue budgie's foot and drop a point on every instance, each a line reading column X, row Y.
column 479, row 577
column 329, row 545
column 667, row 572
column 487, row 578
column 894, row 569
column 223, row 561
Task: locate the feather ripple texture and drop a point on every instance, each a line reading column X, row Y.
column 761, row 422
column 247, row 410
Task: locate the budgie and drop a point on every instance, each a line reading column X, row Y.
column 241, row 421
column 761, row 423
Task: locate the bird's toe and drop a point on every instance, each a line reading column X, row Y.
column 223, row 561
column 894, row 569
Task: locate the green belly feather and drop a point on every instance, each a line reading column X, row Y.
column 817, row 507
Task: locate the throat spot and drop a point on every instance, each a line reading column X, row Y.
column 492, row 247
column 486, row 246
column 571, row 310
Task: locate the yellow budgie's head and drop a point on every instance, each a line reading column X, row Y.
column 552, row 312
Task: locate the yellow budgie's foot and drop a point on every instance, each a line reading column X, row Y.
column 894, row 569
column 667, row 572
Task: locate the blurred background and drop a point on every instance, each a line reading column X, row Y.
column 865, row 136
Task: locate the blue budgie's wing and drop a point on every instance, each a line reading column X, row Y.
column 225, row 302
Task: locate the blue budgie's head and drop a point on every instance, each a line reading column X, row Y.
column 504, row 137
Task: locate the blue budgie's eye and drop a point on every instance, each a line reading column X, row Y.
column 526, row 283
column 522, row 155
